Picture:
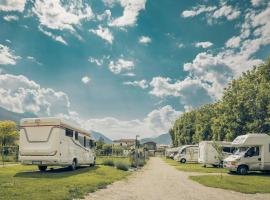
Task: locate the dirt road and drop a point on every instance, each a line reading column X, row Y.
column 160, row 181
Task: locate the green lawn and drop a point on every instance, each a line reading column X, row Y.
column 190, row 167
column 25, row 182
column 244, row 184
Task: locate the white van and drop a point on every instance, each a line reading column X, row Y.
column 208, row 155
column 187, row 153
column 171, row 152
column 55, row 142
column 252, row 154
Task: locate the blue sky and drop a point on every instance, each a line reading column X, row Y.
column 126, row 67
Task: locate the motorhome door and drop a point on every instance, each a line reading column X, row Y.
column 254, row 158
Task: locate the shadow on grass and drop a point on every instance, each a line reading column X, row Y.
column 55, row 173
column 252, row 173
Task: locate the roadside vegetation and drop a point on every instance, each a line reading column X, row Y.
column 244, row 184
column 244, row 107
column 25, row 182
column 192, row 167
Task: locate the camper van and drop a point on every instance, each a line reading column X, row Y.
column 208, row 154
column 252, row 154
column 171, row 152
column 55, row 142
column 187, row 153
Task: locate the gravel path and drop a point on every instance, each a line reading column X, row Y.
column 160, row 181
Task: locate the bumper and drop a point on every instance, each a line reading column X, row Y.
column 41, row 160
column 230, row 167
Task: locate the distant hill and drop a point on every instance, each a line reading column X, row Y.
column 9, row 115
column 162, row 139
column 97, row 135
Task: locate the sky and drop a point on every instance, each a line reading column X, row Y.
column 126, row 67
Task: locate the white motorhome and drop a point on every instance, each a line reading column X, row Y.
column 252, row 154
column 187, row 153
column 208, row 154
column 54, row 142
column 171, row 152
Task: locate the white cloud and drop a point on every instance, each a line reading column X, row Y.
column 233, row 42
column 130, row 74
column 213, row 12
column 7, row 56
column 98, row 62
column 180, row 45
column 86, row 79
column 145, row 40
column 104, row 33
column 142, row 84
column 226, row 11
column 106, row 15
column 204, row 45
column 130, row 13
column 121, row 65
column 32, row 59
column 156, row 122
column 56, row 15
column 19, row 94
column 256, row 3
column 197, row 10
column 188, row 90
column 57, row 38
column 12, row 5
column 11, row 18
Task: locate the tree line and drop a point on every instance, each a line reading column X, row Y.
column 243, row 108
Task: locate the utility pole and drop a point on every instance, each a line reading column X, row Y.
column 136, row 150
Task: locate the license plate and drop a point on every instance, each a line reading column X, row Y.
column 36, row 162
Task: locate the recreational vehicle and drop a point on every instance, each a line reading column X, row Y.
column 54, row 142
column 210, row 155
column 187, row 153
column 171, row 152
column 252, row 154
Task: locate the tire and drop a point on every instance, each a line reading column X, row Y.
column 73, row 166
column 242, row 170
column 42, row 168
column 183, row 160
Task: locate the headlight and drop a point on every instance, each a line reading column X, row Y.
column 233, row 163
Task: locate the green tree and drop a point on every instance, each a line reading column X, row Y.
column 8, row 133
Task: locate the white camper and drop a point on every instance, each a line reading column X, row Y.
column 187, row 153
column 252, row 154
column 171, row 152
column 55, row 142
column 208, row 155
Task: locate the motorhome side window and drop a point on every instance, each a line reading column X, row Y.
column 69, row 132
column 81, row 140
column 76, row 135
column 253, row 151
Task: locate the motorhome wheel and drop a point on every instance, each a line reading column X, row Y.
column 242, row 170
column 42, row 168
column 183, row 160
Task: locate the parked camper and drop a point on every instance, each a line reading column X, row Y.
column 171, row 152
column 208, row 154
column 188, row 153
column 252, row 154
column 55, row 142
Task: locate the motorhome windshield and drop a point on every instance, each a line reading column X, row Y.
column 240, row 150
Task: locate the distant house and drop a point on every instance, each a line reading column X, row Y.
column 150, row 146
column 124, row 142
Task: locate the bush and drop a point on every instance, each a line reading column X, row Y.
column 141, row 163
column 122, row 166
column 108, row 162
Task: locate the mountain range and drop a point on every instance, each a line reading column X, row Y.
column 13, row 116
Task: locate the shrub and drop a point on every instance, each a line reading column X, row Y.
column 108, row 162
column 122, row 166
column 141, row 163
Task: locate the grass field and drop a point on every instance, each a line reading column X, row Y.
column 245, row 184
column 189, row 167
column 25, row 182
